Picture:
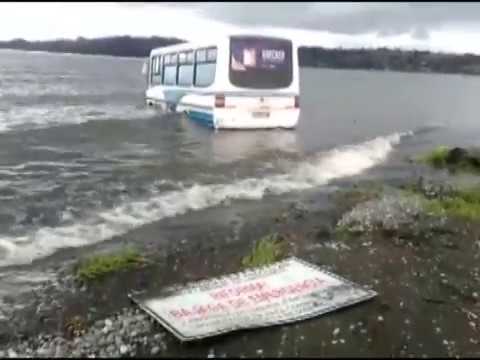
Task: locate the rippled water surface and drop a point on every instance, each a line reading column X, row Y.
column 82, row 159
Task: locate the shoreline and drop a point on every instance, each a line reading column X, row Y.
column 320, row 67
column 374, row 229
column 425, row 283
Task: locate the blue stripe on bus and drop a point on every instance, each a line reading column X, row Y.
column 249, row 93
column 201, row 117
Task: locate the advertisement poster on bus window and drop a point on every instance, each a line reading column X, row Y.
column 288, row 291
column 260, row 54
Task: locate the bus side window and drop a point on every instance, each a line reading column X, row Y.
column 153, row 61
column 160, row 69
column 164, row 63
column 185, row 69
column 170, row 70
column 156, row 70
column 205, row 67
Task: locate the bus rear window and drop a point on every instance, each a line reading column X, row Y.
column 260, row 62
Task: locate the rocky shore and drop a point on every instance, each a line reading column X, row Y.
column 410, row 241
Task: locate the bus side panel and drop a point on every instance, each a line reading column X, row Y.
column 199, row 107
column 155, row 97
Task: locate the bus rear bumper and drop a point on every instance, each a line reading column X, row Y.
column 278, row 118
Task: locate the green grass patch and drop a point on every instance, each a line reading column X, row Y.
column 343, row 233
column 99, row 266
column 267, row 250
column 462, row 162
column 436, row 157
column 410, row 190
column 463, row 204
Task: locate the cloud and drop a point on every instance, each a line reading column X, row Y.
column 453, row 27
column 41, row 21
column 387, row 19
column 447, row 27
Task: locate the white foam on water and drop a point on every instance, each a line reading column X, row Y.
column 35, row 117
column 337, row 163
column 54, row 164
column 5, row 184
column 23, row 173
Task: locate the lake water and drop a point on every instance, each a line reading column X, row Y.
column 82, row 159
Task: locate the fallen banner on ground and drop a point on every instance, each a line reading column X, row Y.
column 284, row 292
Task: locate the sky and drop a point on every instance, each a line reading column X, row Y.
column 448, row 27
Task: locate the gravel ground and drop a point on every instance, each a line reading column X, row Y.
column 390, row 213
column 396, row 212
column 126, row 334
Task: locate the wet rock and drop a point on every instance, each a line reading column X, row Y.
column 390, row 212
column 456, row 155
column 118, row 341
column 12, row 353
column 324, row 231
column 123, row 349
column 110, row 338
column 155, row 350
column 459, row 158
column 298, row 210
column 111, row 349
column 76, row 354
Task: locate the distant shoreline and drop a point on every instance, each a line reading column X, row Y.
column 381, row 59
column 73, row 53
column 124, row 46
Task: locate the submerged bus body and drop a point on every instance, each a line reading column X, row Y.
column 234, row 82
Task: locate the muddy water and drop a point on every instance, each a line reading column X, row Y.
column 82, row 160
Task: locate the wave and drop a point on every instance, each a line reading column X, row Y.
column 317, row 171
column 22, row 118
column 42, row 164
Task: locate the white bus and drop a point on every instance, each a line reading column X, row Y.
column 235, row 82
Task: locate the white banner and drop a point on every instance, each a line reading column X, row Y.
column 287, row 291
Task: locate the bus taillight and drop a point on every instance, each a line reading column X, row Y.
column 297, row 102
column 219, row 100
